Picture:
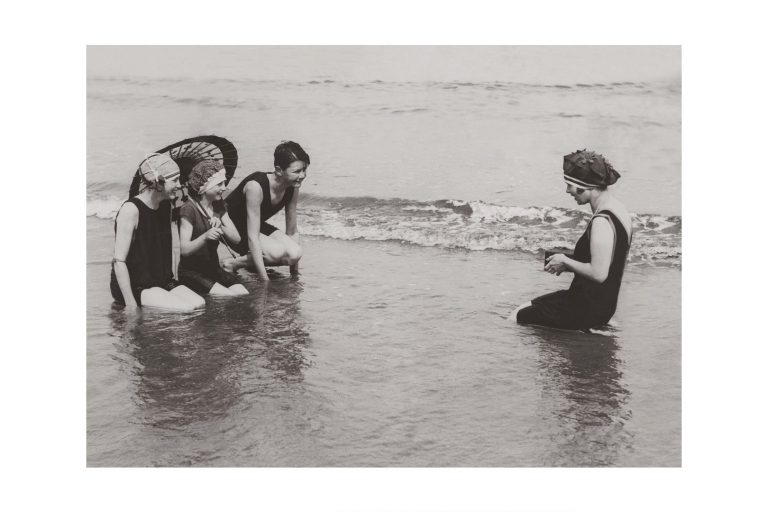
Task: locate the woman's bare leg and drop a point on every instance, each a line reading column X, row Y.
column 238, row 289
column 218, row 289
column 235, row 264
column 163, row 299
column 280, row 249
column 277, row 249
column 188, row 296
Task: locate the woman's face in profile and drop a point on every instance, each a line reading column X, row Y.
column 216, row 192
column 579, row 194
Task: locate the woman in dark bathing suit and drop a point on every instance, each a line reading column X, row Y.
column 599, row 257
column 257, row 198
column 203, row 223
column 142, row 266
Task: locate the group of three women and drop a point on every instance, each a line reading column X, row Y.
column 142, row 267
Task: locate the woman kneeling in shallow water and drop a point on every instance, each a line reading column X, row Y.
column 599, row 257
column 203, row 221
column 257, row 198
column 142, row 267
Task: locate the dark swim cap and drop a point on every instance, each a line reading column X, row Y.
column 587, row 169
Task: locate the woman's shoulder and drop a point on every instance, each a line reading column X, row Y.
column 600, row 221
column 187, row 207
column 254, row 176
column 188, row 211
column 130, row 207
column 241, row 185
column 253, row 190
column 128, row 213
column 620, row 212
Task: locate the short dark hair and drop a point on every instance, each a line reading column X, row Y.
column 288, row 152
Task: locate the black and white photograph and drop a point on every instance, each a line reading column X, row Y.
column 384, row 256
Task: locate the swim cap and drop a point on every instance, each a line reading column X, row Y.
column 215, row 179
column 204, row 175
column 587, row 169
column 158, row 167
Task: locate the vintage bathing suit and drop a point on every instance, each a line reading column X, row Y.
column 237, row 209
column 149, row 259
column 201, row 270
column 586, row 303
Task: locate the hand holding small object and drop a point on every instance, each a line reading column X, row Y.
column 556, row 264
column 213, row 234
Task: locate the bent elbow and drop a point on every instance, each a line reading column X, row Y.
column 601, row 277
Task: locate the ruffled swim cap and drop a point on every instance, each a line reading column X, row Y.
column 214, row 180
column 587, row 169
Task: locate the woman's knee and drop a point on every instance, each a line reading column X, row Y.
column 238, row 289
column 163, row 299
column 272, row 252
column 293, row 253
column 521, row 314
column 287, row 253
column 188, row 296
column 218, row 289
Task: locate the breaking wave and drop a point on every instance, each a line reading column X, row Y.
column 457, row 224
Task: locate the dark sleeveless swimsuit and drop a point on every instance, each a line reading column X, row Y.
column 586, row 303
column 201, row 270
column 237, row 210
column 149, row 259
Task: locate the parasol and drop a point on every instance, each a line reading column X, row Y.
column 189, row 152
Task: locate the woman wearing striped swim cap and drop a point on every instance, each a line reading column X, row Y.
column 599, row 256
column 160, row 173
column 142, row 265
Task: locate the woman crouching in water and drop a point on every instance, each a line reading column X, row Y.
column 257, row 198
column 203, row 222
column 599, row 256
column 142, row 267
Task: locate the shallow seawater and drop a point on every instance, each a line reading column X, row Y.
column 497, row 142
column 383, row 354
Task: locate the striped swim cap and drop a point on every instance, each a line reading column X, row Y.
column 159, row 167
